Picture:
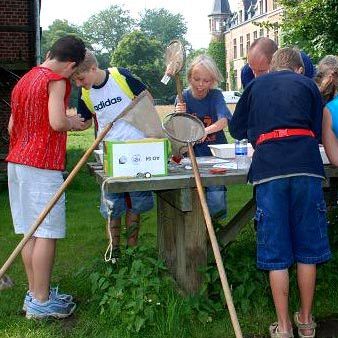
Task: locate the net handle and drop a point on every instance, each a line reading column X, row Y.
column 179, row 88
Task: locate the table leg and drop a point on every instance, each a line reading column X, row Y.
column 182, row 237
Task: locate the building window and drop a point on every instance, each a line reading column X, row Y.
column 241, row 47
column 240, row 16
column 261, row 32
column 261, row 9
column 248, row 42
column 267, row 33
column 255, row 35
column 235, row 48
column 275, row 36
column 217, row 26
column 274, row 4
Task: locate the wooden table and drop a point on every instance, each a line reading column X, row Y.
column 182, row 235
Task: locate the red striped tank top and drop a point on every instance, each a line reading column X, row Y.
column 33, row 142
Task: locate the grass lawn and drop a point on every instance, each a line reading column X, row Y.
column 81, row 254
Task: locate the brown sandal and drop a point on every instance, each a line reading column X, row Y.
column 303, row 326
column 274, row 333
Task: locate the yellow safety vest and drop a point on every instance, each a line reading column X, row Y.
column 119, row 79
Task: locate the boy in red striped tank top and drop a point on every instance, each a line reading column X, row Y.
column 38, row 131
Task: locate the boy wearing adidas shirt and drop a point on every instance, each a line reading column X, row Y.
column 104, row 94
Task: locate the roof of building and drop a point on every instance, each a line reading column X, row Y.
column 220, row 7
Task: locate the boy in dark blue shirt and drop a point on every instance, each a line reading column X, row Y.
column 280, row 113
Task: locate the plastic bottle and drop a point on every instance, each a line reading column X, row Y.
column 241, row 154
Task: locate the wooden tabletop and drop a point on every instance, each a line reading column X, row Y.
column 176, row 179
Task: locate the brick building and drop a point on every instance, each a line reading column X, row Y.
column 240, row 28
column 19, row 51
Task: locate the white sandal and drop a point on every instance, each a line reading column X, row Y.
column 302, row 326
column 274, row 333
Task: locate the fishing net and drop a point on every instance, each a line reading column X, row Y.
column 183, row 128
column 144, row 116
column 174, row 59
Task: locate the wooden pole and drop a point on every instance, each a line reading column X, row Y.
column 65, row 184
column 210, row 228
column 214, row 244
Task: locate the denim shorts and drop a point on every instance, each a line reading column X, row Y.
column 291, row 223
column 216, row 197
column 135, row 201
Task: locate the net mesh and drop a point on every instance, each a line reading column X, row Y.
column 144, row 116
column 175, row 56
column 184, row 128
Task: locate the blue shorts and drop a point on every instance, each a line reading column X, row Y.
column 135, row 201
column 216, row 197
column 291, row 223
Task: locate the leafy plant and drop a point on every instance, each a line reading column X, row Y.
column 130, row 290
column 311, row 25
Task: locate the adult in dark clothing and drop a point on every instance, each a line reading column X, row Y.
column 259, row 58
column 280, row 113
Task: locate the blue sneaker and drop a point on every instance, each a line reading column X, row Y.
column 53, row 294
column 53, row 308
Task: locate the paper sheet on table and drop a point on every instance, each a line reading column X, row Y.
column 228, row 165
column 204, row 161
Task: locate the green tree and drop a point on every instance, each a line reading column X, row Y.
column 217, row 51
column 163, row 25
column 106, row 28
column 56, row 30
column 143, row 57
column 311, row 25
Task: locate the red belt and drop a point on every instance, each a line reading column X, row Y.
column 280, row 133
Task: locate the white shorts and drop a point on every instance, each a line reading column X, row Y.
column 30, row 190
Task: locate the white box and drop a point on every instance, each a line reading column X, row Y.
column 129, row 158
column 227, row 150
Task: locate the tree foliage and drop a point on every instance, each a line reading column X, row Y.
column 106, row 28
column 56, row 30
column 312, row 26
column 143, row 56
column 163, row 25
column 111, row 34
column 217, row 51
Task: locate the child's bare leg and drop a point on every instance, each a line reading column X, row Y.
column 115, row 225
column 133, row 226
column 26, row 254
column 306, row 277
column 279, row 282
column 42, row 264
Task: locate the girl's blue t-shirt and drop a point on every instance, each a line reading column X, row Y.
column 209, row 110
column 332, row 106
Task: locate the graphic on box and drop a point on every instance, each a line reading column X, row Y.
column 130, row 158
